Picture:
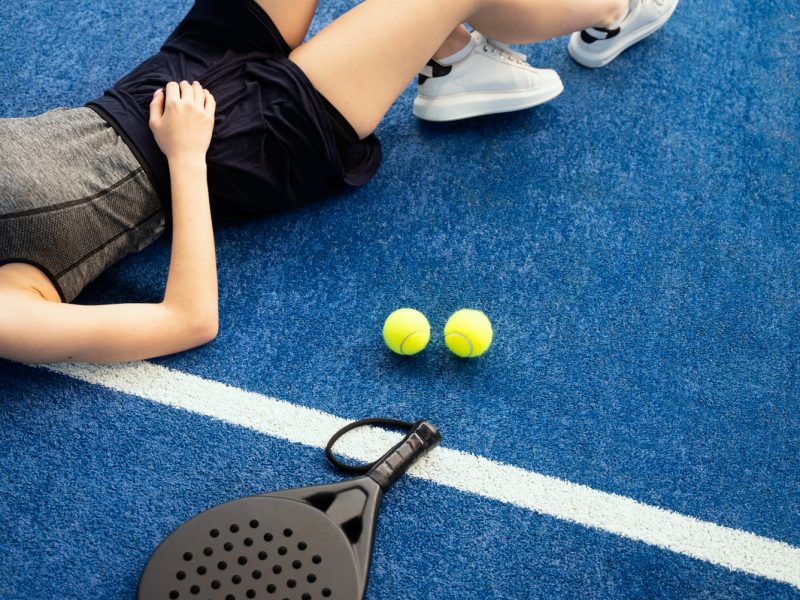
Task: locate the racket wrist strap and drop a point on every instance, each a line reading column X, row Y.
column 377, row 422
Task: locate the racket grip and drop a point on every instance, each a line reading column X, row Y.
column 392, row 465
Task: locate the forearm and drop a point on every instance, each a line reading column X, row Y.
column 35, row 330
column 192, row 280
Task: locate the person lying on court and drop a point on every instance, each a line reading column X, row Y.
column 82, row 188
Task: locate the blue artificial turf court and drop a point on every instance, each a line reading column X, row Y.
column 633, row 432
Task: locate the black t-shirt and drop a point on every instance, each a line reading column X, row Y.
column 273, row 145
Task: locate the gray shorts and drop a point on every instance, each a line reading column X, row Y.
column 73, row 198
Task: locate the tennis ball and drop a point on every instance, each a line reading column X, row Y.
column 406, row 331
column 468, row 333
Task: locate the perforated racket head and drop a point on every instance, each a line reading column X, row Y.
column 257, row 547
column 301, row 544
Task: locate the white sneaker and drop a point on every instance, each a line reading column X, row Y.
column 599, row 46
column 493, row 78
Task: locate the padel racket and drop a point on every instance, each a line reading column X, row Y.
column 306, row 543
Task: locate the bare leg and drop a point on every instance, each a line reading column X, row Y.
column 291, row 18
column 526, row 21
column 454, row 42
column 293, row 21
column 364, row 60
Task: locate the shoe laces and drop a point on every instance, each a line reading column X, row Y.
column 502, row 50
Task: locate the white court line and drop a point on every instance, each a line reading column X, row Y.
column 725, row 546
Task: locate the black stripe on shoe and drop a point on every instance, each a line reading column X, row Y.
column 435, row 70
column 596, row 34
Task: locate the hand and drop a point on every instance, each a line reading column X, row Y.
column 182, row 120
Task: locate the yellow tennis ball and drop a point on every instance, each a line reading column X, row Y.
column 406, row 331
column 468, row 333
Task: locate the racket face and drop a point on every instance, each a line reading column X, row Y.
column 256, row 547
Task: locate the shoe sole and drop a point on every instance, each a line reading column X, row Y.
column 477, row 104
column 594, row 61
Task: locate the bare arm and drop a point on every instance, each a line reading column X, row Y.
column 33, row 329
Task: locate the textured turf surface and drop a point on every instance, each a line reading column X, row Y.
column 636, row 243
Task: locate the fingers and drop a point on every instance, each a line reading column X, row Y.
column 187, row 92
column 157, row 107
column 173, row 93
column 210, row 103
column 183, row 92
column 199, row 95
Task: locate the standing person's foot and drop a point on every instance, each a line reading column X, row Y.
column 598, row 46
column 487, row 77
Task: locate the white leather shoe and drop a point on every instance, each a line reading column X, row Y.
column 598, row 46
column 493, row 78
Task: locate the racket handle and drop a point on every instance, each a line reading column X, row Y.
column 392, row 465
